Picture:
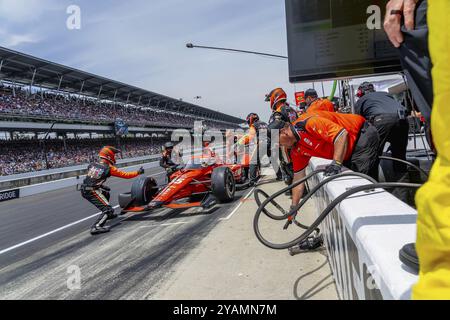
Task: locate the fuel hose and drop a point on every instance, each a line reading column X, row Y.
column 292, row 214
column 412, row 165
column 324, row 213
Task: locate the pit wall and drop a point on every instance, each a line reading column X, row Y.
column 41, row 182
column 40, row 177
column 363, row 236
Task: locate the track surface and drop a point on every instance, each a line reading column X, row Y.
column 128, row 263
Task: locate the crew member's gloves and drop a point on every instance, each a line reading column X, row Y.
column 141, row 171
column 292, row 207
column 333, row 168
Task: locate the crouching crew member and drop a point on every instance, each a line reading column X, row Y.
column 344, row 138
column 389, row 117
column 94, row 190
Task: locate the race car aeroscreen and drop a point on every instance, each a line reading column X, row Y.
column 329, row 39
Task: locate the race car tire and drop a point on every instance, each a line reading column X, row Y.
column 223, row 184
column 143, row 190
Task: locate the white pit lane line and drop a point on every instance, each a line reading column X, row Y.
column 19, row 245
column 50, row 233
column 242, row 201
column 238, row 206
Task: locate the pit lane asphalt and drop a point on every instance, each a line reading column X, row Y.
column 127, row 263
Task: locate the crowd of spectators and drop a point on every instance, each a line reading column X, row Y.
column 20, row 102
column 30, row 155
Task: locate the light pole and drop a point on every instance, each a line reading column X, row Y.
column 191, row 46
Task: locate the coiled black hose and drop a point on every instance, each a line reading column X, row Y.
column 325, row 213
column 270, row 199
column 293, row 213
column 412, row 165
column 286, row 215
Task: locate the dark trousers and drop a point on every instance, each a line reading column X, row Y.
column 365, row 153
column 100, row 199
column 395, row 131
column 253, row 172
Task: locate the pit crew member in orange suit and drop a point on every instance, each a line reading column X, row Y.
column 94, row 190
column 343, row 138
column 252, row 139
column 313, row 103
column 282, row 111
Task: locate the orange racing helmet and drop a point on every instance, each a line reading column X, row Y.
column 108, row 153
column 275, row 96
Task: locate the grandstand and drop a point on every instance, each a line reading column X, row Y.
column 47, row 110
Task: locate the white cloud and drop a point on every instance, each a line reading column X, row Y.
column 19, row 39
column 23, row 10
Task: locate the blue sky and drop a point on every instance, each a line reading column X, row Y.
column 142, row 42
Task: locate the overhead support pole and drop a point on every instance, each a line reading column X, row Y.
column 139, row 102
column 128, row 98
column 82, row 87
column 99, row 93
column 32, row 81
column 1, row 66
column 60, row 83
column 81, row 92
column 190, row 46
column 114, row 100
column 59, row 86
column 14, row 87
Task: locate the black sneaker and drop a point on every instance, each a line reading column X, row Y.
column 408, row 255
column 99, row 230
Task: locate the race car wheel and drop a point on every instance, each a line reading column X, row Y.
column 223, row 184
column 143, row 190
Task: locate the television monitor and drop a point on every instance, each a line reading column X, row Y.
column 331, row 39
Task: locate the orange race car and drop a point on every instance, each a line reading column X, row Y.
column 202, row 182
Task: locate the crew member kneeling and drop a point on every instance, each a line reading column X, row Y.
column 346, row 139
column 94, row 190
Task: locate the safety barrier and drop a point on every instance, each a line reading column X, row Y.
column 40, row 182
column 48, row 186
column 34, row 178
column 363, row 236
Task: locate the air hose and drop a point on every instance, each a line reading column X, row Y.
column 271, row 199
column 279, row 193
column 293, row 213
column 324, row 213
column 285, row 215
column 412, row 165
column 290, row 216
